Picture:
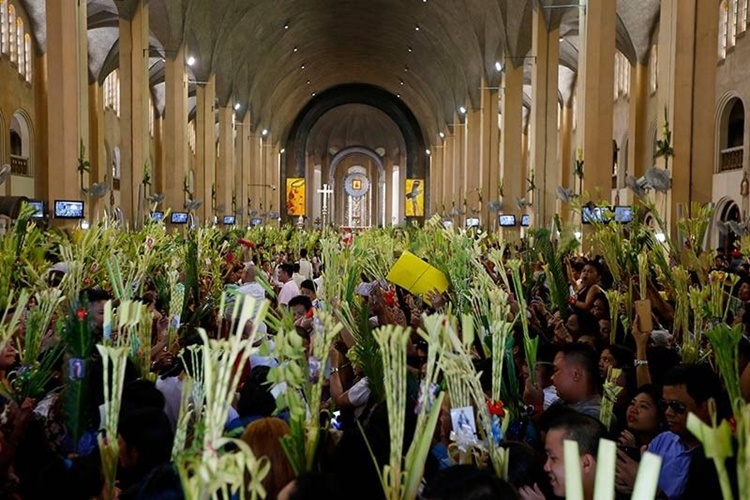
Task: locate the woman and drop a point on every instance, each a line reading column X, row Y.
column 264, row 438
column 584, row 299
column 643, row 418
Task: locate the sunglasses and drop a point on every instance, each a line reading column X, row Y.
column 676, row 406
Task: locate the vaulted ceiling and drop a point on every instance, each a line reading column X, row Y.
column 271, row 56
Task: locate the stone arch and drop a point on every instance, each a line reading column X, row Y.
column 22, row 130
column 729, row 132
column 347, row 152
column 726, row 209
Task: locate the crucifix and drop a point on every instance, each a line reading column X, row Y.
column 326, row 192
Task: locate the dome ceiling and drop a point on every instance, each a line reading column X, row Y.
column 272, row 55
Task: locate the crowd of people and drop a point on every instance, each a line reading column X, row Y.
column 580, row 346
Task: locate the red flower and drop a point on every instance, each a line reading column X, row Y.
column 82, row 314
column 87, row 281
column 496, row 408
column 390, row 298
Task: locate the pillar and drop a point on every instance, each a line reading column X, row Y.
column 241, row 169
column 255, row 186
column 175, row 132
column 450, row 197
column 389, row 187
column 566, row 157
column 639, row 145
column 225, row 171
column 490, row 165
column 543, row 119
column 96, row 151
column 596, row 73
column 65, row 34
column 205, row 147
column 512, row 131
column 134, row 112
column 474, row 167
column 688, row 40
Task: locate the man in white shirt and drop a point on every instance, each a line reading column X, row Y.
column 289, row 288
column 305, row 266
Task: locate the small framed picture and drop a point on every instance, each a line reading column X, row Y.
column 463, row 420
column 356, row 184
column 76, row 369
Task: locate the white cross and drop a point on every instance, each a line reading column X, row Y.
column 326, row 192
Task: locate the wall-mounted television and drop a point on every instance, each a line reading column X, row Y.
column 230, row 220
column 157, row 216
column 472, row 222
column 179, row 218
column 68, row 209
column 624, row 214
column 525, row 220
column 38, row 206
column 596, row 214
column 506, row 220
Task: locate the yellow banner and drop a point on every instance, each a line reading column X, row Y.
column 295, row 196
column 417, row 276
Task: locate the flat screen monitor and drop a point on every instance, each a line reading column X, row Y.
column 157, row 216
column 525, row 220
column 256, row 222
column 472, row 222
column 38, row 206
column 68, row 209
column 596, row 214
column 624, row 214
column 230, row 220
column 179, row 218
column 506, row 220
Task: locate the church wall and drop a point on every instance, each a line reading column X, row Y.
column 17, row 95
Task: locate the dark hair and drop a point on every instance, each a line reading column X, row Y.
column 255, row 396
column 598, row 267
column 585, row 357
column 623, row 356
column 587, row 323
column 162, row 483
column 303, row 252
column 95, row 294
column 466, row 482
column 301, row 300
column 150, row 432
column 308, row 285
column 287, row 268
column 138, row 395
column 700, row 381
column 526, row 467
column 314, row 485
column 585, row 430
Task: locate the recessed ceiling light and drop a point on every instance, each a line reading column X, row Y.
column 190, row 60
column 283, row 150
column 286, row 26
column 416, row 27
column 302, row 67
column 295, row 49
column 561, row 39
column 398, row 95
column 409, row 49
column 498, row 66
column 462, row 110
column 264, row 132
column 427, row 151
column 442, row 135
column 309, row 82
column 313, row 94
column 237, row 106
column 401, row 82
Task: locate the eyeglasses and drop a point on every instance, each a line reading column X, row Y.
column 676, row 406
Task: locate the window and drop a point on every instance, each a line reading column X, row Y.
column 733, row 22
column 625, row 81
column 112, row 92
column 20, row 46
column 653, row 69
column 742, row 21
column 4, row 42
column 12, row 32
column 575, row 112
column 617, row 75
column 28, row 56
column 723, row 26
column 191, row 136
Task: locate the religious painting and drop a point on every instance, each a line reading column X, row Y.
column 356, row 184
column 295, row 196
column 414, row 198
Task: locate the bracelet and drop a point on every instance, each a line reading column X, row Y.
column 640, row 362
column 335, row 370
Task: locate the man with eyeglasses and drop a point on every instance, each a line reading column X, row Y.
column 687, row 389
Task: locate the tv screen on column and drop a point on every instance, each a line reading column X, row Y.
column 68, row 209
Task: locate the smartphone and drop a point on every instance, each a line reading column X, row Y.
column 631, row 451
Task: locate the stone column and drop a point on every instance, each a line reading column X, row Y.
column 225, row 170
column 639, row 145
column 134, row 113
column 242, row 168
column 65, row 34
column 474, row 167
column 389, row 188
column 450, row 196
column 175, row 132
column 490, row 165
column 688, row 39
column 205, row 147
column 596, row 63
column 543, row 119
column 512, row 133
column 254, row 171
column 566, row 158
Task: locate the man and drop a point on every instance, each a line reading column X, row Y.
column 302, row 308
column 572, row 426
column 296, row 276
column 305, row 266
column 253, row 289
column 576, row 378
column 687, row 389
column 289, row 288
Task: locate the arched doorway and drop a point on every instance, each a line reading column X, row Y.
column 20, row 145
column 357, row 178
column 726, row 240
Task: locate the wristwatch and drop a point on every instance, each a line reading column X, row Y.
column 640, row 362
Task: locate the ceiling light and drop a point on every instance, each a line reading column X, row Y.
column 442, row 135
column 264, row 132
column 406, row 69
column 313, row 94
column 498, row 66
column 237, row 106
column 286, row 26
column 409, row 49
column 309, row 82
column 283, row 150
column 190, row 60
column 462, row 110
column 302, row 67
column 416, row 27
column 398, row 95
column 561, row 39
column 295, row 49
column 427, row 152
column 401, row 82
